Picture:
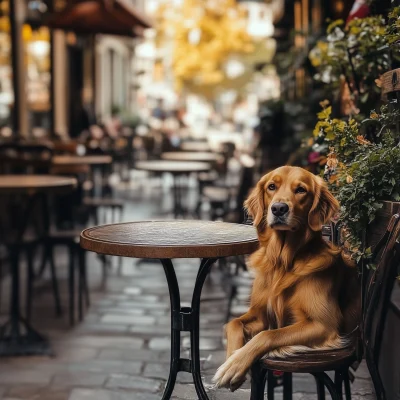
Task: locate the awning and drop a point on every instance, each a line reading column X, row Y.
column 112, row 17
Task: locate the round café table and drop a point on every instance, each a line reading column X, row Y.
column 17, row 336
column 189, row 156
column 166, row 240
column 72, row 160
column 96, row 162
column 177, row 169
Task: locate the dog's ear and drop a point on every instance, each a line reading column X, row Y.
column 254, row 204
column 324, row 207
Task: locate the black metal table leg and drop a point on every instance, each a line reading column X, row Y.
column 185, row 319
column 179, row 209
column 17, row 337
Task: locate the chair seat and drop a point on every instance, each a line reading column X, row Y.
column 207, row 177
column 103, row 202
column 312, row 361
column 67, row 236
column 217, row 194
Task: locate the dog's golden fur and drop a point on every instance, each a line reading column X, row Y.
column 305, row 293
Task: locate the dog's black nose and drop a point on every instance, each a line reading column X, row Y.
column 279, row 209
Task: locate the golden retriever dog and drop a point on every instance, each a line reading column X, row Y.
column 305, row 293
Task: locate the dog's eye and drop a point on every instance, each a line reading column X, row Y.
column 300, row 190
column 271, row 186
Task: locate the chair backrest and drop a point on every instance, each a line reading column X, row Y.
column 25, row 157
column 246, row 183
column 377, row 291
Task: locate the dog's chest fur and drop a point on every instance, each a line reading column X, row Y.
column 275, row 297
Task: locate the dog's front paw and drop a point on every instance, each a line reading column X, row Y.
column 231, row 374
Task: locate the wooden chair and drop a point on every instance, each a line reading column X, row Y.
column 25, row 157
column 376, row 296
column 65, row 234
column 220, row 197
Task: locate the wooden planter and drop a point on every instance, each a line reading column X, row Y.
column 391, row 82
column 377, row 229
column 389, row 363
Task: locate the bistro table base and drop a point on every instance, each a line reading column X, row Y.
column 185, row 319
column 28, row 344
column 17, row 336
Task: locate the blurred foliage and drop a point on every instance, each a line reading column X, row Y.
column 359, row 52
column 206, row 34
column 393, row 28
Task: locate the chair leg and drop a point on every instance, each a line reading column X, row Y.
column 339, row 383
column 54, row 281
column 320, row 388
column 104, row 267
column 287, row 386
column 258, row 377
column 29, row 282
column 82, row 289
column 271, row 385
column 71, row 284
column 44, row 261
column 323, row 380
column 83, row 269
column 230, row 302
column 119, row 268
column 347, row 388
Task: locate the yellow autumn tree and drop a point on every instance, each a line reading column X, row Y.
column 205, row 34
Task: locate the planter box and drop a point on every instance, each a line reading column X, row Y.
column 377, row 229
column 389, row 363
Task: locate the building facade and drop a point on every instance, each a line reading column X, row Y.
column 57, row 81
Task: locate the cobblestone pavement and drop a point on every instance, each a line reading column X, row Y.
column 121, row 349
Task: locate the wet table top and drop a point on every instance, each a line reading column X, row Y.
column 174, row 167
column 171, row 239
column 35, row 183
column 190, row 156
column 81, row 160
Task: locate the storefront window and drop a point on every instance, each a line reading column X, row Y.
column 6, row 88
column 37, row 57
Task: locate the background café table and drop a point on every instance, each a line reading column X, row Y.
column 191, row 156
column 177, row 169
column 17, row 337
column 81, row 160
column 195, row 146
column 166, row 240
column 67, row 164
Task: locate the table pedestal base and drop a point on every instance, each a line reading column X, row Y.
column 29, row 343
column 185, row 319
column 17, row 337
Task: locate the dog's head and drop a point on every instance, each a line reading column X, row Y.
column 291, row 198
